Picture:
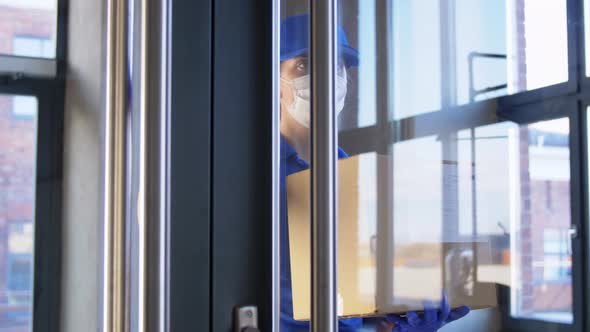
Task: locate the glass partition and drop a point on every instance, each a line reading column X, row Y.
column 434, row 198
column 18, row 143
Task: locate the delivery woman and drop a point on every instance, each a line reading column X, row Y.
column 295, row 156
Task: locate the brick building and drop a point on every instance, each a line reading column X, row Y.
column 29, row 32
column 545, row 255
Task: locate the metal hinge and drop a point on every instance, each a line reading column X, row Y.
column 246, row 319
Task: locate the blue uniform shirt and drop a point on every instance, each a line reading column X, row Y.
column 291, row 163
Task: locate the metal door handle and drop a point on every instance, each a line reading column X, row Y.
column 246, row 319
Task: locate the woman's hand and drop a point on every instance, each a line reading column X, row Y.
column 430, row 321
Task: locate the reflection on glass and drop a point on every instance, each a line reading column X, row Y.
column 417, row 190
column 367, row 67
column 544, row 57
column 417, row 54
column 295, row 120
column 28, row 28
column 514, row 190
column 480, row 51
column 446, row 53
column 543, row 257
column 483, row 213
column 18, row 120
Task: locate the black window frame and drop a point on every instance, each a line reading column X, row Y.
column 50, row 94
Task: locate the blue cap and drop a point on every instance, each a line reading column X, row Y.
column 295, row 40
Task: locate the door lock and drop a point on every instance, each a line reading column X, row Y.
column 246, row 319
column 573, row 231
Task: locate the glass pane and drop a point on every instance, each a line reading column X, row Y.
column 416, row 53
column 520, row 198
column 18, row 135
column 433, row 203
column 28, row 28
column 492, row 202
column 453, row 203
column 445, row 53
column 543, row 287
column 295, row 157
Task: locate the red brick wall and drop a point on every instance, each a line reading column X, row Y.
column 521, row 45
column 545, row 204
column 525, row 245
column 17, row 173
column 17, row 142
column 26, row 23
column 552, row 297
column 551, row 210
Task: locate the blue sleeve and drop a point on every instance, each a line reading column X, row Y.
column 288, row 324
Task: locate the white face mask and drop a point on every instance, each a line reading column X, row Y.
column 300, row 108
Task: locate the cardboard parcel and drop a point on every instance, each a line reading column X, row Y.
column 380, row 270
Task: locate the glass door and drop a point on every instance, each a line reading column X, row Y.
column 454, row 164
column 344, row 165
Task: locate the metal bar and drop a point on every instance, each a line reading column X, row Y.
column 575, row 42
column 27, row 67
column 423, row 125
column 585, row 213
column 323, row 167
column 114, row 298
column 276, row 158
column 578, row 209
column 385, row 222
column 448, row 88
column 474, row 54
column 474, row 223
column 490, row 89
column 153, row 164
column 478, row 114
column 583, row 34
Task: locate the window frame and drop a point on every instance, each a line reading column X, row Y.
column 49, row 88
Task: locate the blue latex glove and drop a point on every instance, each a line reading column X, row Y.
column 431, row 320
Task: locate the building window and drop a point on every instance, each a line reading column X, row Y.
column 556, row 262
column 24, row 107
column 34, row 47
column 19, row 262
